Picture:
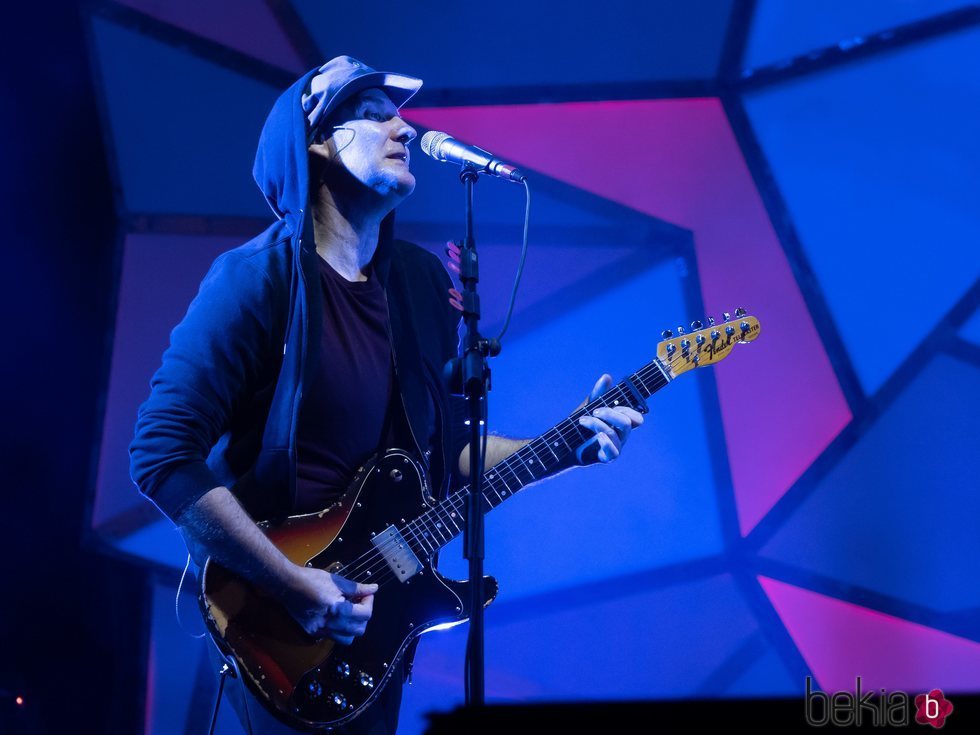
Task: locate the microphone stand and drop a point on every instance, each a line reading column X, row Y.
column 474, row 372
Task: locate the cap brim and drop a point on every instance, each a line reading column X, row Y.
column 398, row 87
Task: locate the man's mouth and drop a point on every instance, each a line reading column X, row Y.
column 400, row 156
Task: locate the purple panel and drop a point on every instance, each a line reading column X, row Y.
column 160, row 276
column 781, row 406
column 245, row 25
column 841, row 640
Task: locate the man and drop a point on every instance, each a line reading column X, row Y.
column 308, row 349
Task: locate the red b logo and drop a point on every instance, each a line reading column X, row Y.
column 932, row 708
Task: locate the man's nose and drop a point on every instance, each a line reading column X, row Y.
column 406, row 133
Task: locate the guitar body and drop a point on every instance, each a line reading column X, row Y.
column 387, row 528
column 321, row 683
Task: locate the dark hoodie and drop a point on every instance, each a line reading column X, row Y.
column 224, row 403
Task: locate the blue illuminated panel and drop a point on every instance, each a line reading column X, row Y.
column 781, row 30
column 898, row 515
column 184, row 130
column 881, row 185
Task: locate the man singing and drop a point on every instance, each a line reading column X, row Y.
column 306, row 351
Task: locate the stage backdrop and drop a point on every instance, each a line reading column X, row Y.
column 809, row 507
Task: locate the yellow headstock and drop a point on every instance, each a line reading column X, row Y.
column 705, row 345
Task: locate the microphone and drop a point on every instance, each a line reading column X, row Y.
column 442, row 147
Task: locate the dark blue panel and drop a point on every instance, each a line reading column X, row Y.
column 642, row 645
column 520, row 43
column 971, row 330
column 877, row 162
column 657, row 504
column 781, row 30
column 184, row 130
column 900, row 514
column 766, row 677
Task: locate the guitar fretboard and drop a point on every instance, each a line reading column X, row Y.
column 536, row 460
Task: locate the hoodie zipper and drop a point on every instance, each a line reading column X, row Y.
column 398, row 386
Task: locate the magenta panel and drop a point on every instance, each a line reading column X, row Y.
column 840, row 640
column 679, row 161
column 245, row 25
column 160, row 275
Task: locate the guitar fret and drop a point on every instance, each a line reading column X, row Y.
column 441, row 524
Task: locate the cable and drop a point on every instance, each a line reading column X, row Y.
column 520, row 267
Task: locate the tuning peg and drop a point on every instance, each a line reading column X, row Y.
column 744, row 326
column 726, row 315
column 711, row 321
column 666, row 334
column 696, row 325
column 739, row 312
column 680, row 329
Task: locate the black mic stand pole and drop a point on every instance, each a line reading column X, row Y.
column 475, row 381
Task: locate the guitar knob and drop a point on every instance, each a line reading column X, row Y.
column 366, row 680
column 696, row 325
column 343, row 669
column 680, row 329
column 338, row 700
column 671, row 349
column 726, row 315
column 711, row 321
column 699, row 339
column 744, row 326
column 666, row 334
column 314, row 690
column 715, row 334
column 739, row 312
column 685, row 344
column 729, row 330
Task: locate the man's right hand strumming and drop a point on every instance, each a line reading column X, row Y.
column 327, row 605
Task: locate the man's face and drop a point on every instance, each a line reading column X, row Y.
column 371, row 141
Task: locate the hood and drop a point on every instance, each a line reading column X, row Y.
column 282, row 172
column 281, row 169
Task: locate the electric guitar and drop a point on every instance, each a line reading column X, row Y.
column 386, row 529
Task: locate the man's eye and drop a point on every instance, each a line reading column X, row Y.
column 378, row 116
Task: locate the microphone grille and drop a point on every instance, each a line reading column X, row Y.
column 431, row 142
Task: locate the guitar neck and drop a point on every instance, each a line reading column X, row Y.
column 538, row 459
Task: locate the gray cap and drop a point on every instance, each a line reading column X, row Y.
column 344, row 76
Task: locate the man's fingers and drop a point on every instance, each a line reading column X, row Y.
column 347, row 587
column 362, row 610
column 602, row 385
column 601, row 428
column 608, row 451
column 621, row 418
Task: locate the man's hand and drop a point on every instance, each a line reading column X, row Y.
column 612, row 427
column 330, row 606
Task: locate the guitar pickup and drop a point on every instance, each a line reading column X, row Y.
column 398, row 556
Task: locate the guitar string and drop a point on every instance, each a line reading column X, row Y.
column 367, row 563
column 373, row 557
column 376, row 555
column 372, row 560
column 412, row 529
column 449, row 508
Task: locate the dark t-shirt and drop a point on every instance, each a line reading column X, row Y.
column 343, row 413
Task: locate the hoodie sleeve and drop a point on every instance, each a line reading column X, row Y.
column 217, row 351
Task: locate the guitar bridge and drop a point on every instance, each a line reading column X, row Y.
column 398, row 556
